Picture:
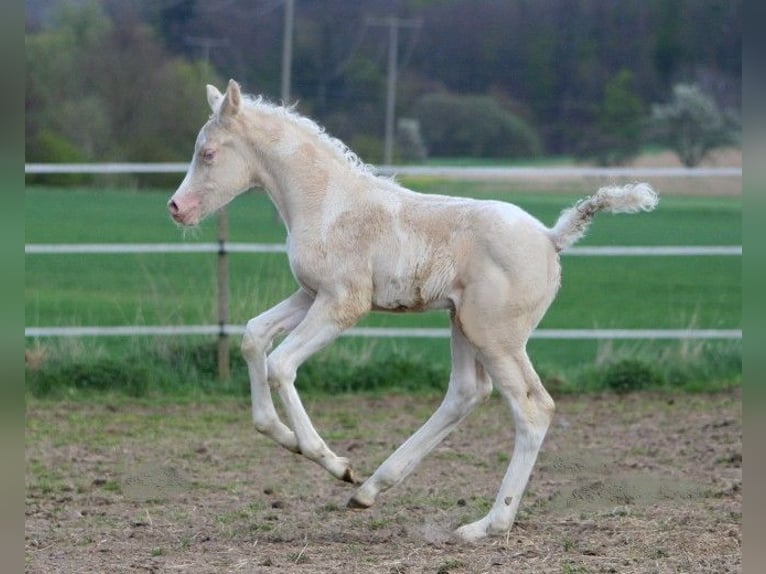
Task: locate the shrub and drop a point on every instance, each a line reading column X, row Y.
column 692, row 125
column 629, row 375
column 409, row 140
column 369, row 148
column 51, row 147
column 475, row 126
column 617, row 135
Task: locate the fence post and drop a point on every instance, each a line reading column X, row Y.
column 224, row 368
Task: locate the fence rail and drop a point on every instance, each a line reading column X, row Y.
column 378, row 332
column 447, row 172
column 232, row 247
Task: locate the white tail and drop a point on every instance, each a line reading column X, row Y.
column 573, row 222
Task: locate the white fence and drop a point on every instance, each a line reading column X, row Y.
column 231, row 247
column 481, row 173
column 223, row 329
column 223, row 247
column 380, row 332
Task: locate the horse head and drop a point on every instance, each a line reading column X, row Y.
column 221, row 167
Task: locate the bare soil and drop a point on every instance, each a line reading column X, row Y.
column 625, row 484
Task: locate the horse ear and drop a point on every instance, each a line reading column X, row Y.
column 214, row 97
column 232, row 99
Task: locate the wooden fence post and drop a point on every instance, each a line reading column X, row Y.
column 224, row 367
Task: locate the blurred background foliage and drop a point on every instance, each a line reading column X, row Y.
column 123, row 80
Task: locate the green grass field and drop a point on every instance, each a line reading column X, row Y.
column 603, row 292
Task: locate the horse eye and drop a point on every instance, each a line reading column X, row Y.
column 208, row 155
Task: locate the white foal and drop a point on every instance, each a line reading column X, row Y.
column 359, row 243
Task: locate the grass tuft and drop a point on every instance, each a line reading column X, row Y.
column 629, row 375
column 685, row 366
column 190, row 369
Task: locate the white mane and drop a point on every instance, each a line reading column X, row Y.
column 308, row 125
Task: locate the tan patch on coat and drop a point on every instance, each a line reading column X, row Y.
column 355, row 231
column 315, row 180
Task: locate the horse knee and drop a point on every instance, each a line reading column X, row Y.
column 255, row 342
column 280, row 371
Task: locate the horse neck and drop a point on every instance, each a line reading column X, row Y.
column 300, row 173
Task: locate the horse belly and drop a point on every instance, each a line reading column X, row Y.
column 414, row 288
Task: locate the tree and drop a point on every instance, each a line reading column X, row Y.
column 617, row 135
column 64, row 122
column 476, row 126
column 692, row 125
column 553, row 59
column 99, row 92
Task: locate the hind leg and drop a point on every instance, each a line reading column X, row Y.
column 498, row 315
column 532, row 408
column 468, row 385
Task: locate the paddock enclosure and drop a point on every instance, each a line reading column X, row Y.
column 649, row 484
column 131, row 486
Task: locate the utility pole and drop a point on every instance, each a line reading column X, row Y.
column 393, row 25
column 287, row 50
column 206, row 44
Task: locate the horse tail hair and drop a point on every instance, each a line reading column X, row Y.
column 574, row 221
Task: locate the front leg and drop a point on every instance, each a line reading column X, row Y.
column 320, row 327
column 259, row 335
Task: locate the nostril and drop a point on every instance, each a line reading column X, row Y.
column 173, row 207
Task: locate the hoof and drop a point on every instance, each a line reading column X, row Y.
column 356, row 504
column 350, row 476
column 470, row 533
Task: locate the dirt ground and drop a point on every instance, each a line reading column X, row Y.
column 625, row 484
